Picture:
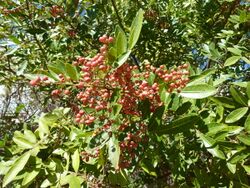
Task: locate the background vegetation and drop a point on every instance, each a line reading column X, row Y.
column 197, row 137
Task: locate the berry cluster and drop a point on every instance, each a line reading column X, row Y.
column 86, row 156
column 96, row 87
column 6, row 11
column 56, row 11
column 132, row 145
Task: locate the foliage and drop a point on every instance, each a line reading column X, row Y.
column 179, row 117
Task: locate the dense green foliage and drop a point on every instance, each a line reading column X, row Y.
column 181, row 119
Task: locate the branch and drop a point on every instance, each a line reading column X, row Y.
column 35, row 37
column 117, row 15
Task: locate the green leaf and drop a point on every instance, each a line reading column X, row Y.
column 183, row 108
column 232, row 60
column 231, row 167
column 248, row 90
column 135, row 29
column 179, row 125
column 223, row 101
column 74, row 182
column 245, row 139
column 151, row 78
column 35, row 31
column 148, row 167
column 14, row 39
column 211, row 146
column 121, row 42
column 19, row 108
column 164, row 95
column 246, row 60
column 232, row 130
column 30, row 176
column 238, row 96
column 214, row 128
column 118, row 178
column 16, row 168
column 201, row 77
column 123, row 59
column 175, row 102
column 116, row 108
column 144, row 107
column 98, row 140
column 113, row 52
column 198, row 91
column 21, row 141
column 71, row 71
column 247, row 123
column 240, row 84
column 156, row 119
column 220, row 113
column 247, row 168
column 114, row 152
column 30, row 135
column 235, row 51
column 239, row 156
column 236, row 115
column 221, row 79
column 75, row 160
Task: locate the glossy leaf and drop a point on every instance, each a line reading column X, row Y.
column 74, row 182
column 232, row 60
column 114, row 152
column 245, row 139
column 123, row 58
column 30, row 135
column 135, row 29
column 235, row 51
column 239, row 156
column 179, row 125
column 236, row 115
column 238, row 96
column 214, row 128
column 246, row 60
column 247, row 123
column 22, row 141
column 211, row 146
column 201, row 77
column 30, row 176
column 198, row 91
column 116, row 108
column 247, row 168
column 76, row 160
column 223, row 101
column 121, row 43
column 183, row 108
column 248, row 90
column 148, row 167
column 156, row 118
column 16, row 168
column 71, row 71
column 231, row 167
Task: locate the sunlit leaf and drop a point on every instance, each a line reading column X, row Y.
column 114, row 151
column 135, row 29
column 232, row 60
column 198, row 91
column 75, row 160
column 211, row 146
column 236, row 115
column 16, row 168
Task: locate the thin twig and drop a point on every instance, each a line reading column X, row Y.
column 117, row 15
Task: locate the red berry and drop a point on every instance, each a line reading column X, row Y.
column 66, row 92
column 33, row 82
